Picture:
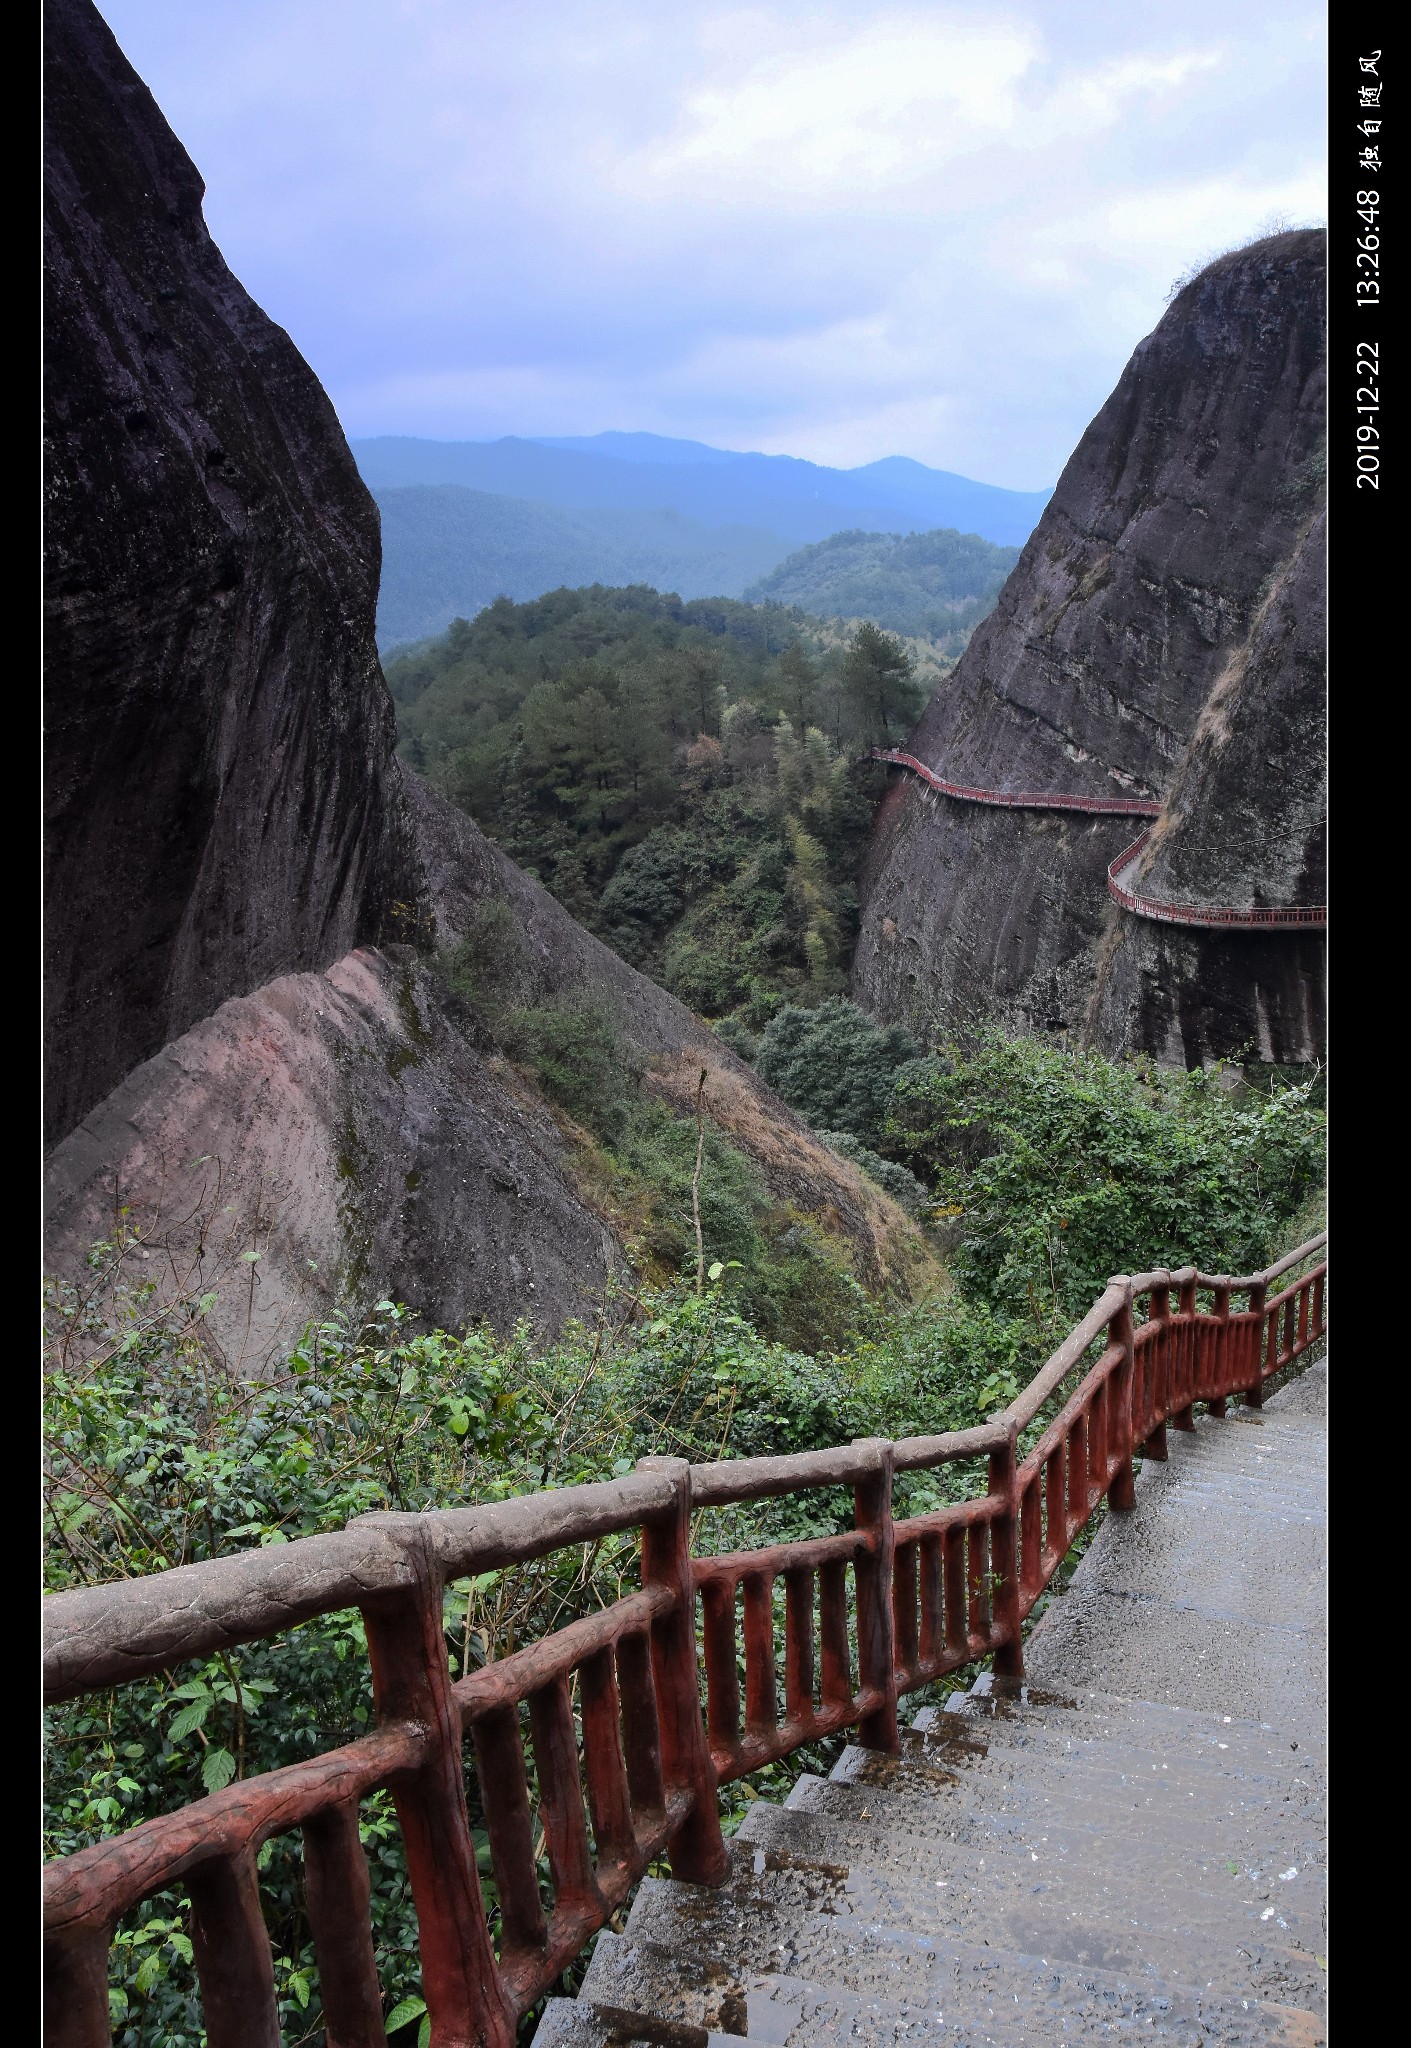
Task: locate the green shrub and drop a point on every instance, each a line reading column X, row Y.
column 660, row 1149
column 580, row 1059
column 835, row 1066
column 738, row 1037
column 901, row 1184
column 1065, row 1167
column 480, row 966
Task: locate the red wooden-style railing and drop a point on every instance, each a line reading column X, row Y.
column 632, row 1774
column 1279, row 917
column 1219, row 917
column 1027, row 799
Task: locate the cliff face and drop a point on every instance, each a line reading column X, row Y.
column 221, row 801
column 1161, row 636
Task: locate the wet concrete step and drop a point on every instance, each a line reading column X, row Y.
column 943, row 1787
column 1273, row 1770
column 1077, row 1896
column 961, row 1743
column 1212, row 1593
column 1261, row 1862
column 810, row 1924
column 1089, row 1726
column 976, row 1996
column 1201, row 1857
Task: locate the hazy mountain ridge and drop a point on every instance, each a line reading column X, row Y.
column 802, row 501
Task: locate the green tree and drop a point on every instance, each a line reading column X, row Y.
column 835, row 1066
column 879, row 674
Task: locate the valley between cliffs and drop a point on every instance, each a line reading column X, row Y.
column 252, row 1063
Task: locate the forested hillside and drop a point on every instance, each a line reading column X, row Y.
column 685, row 777
column 937, row 586
column 448, row 551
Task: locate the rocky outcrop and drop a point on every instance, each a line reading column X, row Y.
column 1245, row 825
column 1161, row 636
column 222, row 804
column 326, row 1140
column 359, row 1131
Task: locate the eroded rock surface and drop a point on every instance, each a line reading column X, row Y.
column 343, row 1126
column 222, row 807
column 359, row 1129
column 1160, row 636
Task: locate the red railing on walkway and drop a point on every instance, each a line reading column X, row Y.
column 1267, row 917
column 928, row 1594
column 1024, row 800
column 1279, row 917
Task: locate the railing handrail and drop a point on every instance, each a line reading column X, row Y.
column 932, row 1591
column 97, row 1636
column 1265, row 916
column 1214, row 916
column 1024, row 799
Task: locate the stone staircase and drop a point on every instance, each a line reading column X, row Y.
column 1060, row 1861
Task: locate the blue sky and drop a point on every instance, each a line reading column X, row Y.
column 840, row 232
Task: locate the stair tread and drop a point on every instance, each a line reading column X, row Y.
column 950, row 1783
column 1044, row 1717
column 809, row 1885
column 975, row 1995
column 994, row 1855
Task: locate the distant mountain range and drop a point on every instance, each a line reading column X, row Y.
column 800, row 501
column 465, row 521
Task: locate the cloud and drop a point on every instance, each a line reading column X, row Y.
column 819, row 227
column 891, row 107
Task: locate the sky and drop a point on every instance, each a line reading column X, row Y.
column 840, row 232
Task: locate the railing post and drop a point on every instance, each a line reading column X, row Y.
column 338, row 1899
column 1005, row 1603
column 1121, row 1495
column 234, row 1961
column 876, row 1641
column 697, row 1848
column 1219, row 1402
column 1183, row 1417
column 411, row 1681
column 1160, row 1370
column 76, row 2011
column 1254, row 1392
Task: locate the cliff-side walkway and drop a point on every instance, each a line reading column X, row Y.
column 1122, row 872
column 1130, row 1842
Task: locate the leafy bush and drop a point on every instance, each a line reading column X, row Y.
column 835, row 1066
column 480, row 966
column 900, row 1184
column 579, row 1058
column 1066, row 1167
column 735, row 1034
column 660, row 1148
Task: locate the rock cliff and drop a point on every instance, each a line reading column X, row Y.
column 1160, row 636
column 244, row 1055
column 358, row 1130
column 221, row 798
